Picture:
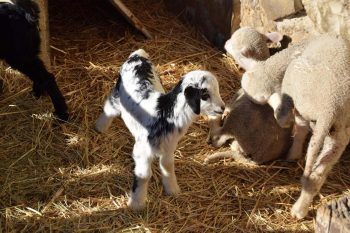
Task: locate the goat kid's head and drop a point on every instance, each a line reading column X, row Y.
column 202, row 93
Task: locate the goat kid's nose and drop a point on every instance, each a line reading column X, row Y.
column 223, row 108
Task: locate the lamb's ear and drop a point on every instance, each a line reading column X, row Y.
column 193, row 99
column 246, row 52
column 274, row 37
column 247, row 63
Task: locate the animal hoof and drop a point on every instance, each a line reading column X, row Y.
column 173, row 191
column 63, row 117
column 36, row 94
column 135, row 205
column 299, row 211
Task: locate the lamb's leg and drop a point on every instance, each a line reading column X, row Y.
column 166, row 164
column 334, row 146
column 143, row 159
column 111, row 110
column 301, row 130
column 43, row 81
column 235, row 153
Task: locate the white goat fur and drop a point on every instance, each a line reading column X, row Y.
column 317, row 85
column 157, row 120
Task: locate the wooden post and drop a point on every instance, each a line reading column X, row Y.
column 131, row 17
column 334, row 216
column 44, row 32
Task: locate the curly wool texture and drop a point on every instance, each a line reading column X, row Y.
column 265, row 78
column 250, row 39
column 318, row 83
column 320, row 79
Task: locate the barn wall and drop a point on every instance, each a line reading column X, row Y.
column 298, row 19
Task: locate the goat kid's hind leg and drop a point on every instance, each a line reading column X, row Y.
column 167, row 168
column 334, row 146
column 111, row 110
column 143, row 158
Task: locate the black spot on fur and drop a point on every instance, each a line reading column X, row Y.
column 205, row 94
column 166, row 102
column 144, row 73
column 115, row 90
column 134, row 184
column 193, row 98
column 165, row 109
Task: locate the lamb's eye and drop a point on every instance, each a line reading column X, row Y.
column 205, row 95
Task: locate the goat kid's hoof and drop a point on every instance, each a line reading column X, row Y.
column 173, row 191
column 136, row 205
column 299, row 211
column 102, row 123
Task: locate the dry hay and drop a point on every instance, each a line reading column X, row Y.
column 68, row 178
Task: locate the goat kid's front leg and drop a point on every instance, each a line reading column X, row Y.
column 111, row 110
column 143, row 159
column 166, row 164
column 334, row 146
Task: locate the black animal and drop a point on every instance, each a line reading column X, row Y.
column 19, row 47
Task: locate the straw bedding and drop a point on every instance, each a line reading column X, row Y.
column 68, row 178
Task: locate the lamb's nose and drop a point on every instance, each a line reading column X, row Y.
column 209, row 140
column 223, row 108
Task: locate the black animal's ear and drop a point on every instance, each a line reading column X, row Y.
column 193, row 98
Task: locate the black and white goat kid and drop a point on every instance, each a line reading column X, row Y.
column 157, row 120
column 19, row 47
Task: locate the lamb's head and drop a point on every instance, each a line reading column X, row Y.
column 247, row 42
column 219, row 137
column 201, row 90
column 255, row 83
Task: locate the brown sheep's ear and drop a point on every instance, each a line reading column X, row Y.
column 246, row 52
column 193, row 98
column 274, row 37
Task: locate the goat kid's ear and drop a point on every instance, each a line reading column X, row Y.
column 274, row 37
column 193, row 98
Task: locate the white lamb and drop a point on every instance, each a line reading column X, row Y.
column 317, row 85
column 156, row 120
column 262, row 83
column 248, row 43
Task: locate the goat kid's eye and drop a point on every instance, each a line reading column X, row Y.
column 205, row 95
